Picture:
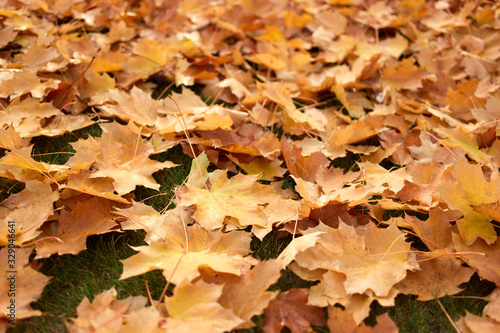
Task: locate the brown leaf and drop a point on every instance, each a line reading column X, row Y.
column 342, row 322
column 75, row 225
column 239, row 197
column 11, row 139
column 489, row 209
column 404, row 75
column 248, row 295
column 300, row 166
column 290, row 310
column 108, row 314
column 194, row 307
column 437, row 278
column 99, row 187
column 492, row 309
column 484, row 258
column 28, row 283
column 476, row 324
column 471, row 189
column 29, row 208
column 435, row 231
column 222, row 252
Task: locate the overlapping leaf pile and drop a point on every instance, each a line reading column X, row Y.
column 408, row 88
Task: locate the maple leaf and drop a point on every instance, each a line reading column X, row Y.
column 137, row 106
column 15, row 83
column 19, row 165
column 262, row 167
column 240, row 197
column 331, row 291
column 438, row 277
column 195, row 307
column 342, row 321
column 196, row 114
column 142, row 216
column 279, row 95
column 95, row 86
column 361, row 129
column 11, row 139
column 290, row 310
column 476, row 324
column 26, row 116
column 484, row 258
column 492, row 309
column 75, row 225
column 92, row 315
column 405, row 75
column 354, row 102
column 300, row 166
column 490, row 209
column 99, row 187
column 459, row 137
column 309, row 73
column 108, row 314
column 29, row 208
column 143, row 319
column 123, row 156
column 471, row 189
column 463, row 100
column 365, row 261
column 248, row 296
column 222, row 252
column 28, row 283
column 435, row 232
column 87, row 152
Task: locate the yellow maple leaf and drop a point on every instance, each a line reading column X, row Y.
column 240, row 197
column 372, row 263
column 223, row 252
column 471, row 189
column 124, row 157
column 194, row 308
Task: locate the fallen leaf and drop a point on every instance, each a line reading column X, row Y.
column 480, row 256
column 290, row 310
column 222, row 252
column 20, row 283
column 342, row 321
column 29, row 209
column 248, row 295
column 74, row 226
column 195, row 307
column 240, row 197
column 471, row 189
column 437, row 278
column 300, row 166
column 476, row 324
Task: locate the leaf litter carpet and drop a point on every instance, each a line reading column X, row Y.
column 271, row 99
